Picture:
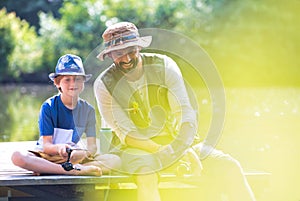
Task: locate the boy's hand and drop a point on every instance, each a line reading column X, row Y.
column 62, row 150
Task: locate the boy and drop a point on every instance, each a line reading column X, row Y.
column 63, row 120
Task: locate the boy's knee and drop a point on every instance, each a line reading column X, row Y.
column 18, row 159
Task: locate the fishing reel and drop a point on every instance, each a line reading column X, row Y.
column 68, row 166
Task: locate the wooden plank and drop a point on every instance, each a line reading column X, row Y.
column 56, row 187
column 21, row 180
column 11, row 175
column 6, row 150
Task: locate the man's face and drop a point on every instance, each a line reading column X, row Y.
column 126, row 59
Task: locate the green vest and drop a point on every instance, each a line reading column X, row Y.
column 132, row 102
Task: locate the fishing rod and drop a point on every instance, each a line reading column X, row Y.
column 68, row 166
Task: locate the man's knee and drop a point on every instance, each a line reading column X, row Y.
column 147, row 180
column 222, row 166
column 112, row 161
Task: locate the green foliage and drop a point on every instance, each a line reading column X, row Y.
column 82, row 26
column 253, row 43
column 29, row 9
column 138, row 12
column 27, row 52
column 7, row 42
column 20, row 46
column 257, row 37
column 76, row 32
column 50, row 33
column 168, row 14
column 145, row 14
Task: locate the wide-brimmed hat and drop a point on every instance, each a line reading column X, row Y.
column 122, row 35
column 69, row 64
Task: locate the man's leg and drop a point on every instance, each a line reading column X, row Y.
column 224, row 174
column 147, row 186
column 143, row 165
column 106, row 162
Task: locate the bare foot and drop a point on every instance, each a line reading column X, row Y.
column 90, row 170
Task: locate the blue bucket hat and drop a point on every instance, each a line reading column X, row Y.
column 69, row 64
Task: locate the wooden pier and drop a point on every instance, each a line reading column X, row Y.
column 17, row 184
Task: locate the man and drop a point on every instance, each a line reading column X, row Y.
column 142, row 97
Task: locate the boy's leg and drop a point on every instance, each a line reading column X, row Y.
column 39, row 165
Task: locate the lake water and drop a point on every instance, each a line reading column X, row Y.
column 261, row 128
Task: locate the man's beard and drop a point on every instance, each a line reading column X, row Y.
column 133, row 62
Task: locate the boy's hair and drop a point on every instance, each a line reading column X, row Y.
column 57, row 79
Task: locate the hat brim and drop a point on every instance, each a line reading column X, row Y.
column 141, row 41
column 52, row 76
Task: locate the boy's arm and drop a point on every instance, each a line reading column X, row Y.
column 54, row 149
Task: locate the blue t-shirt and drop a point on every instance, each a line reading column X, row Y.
column 56, row 117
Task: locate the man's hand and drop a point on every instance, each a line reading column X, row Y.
column 166, row 154
column 78, row 155
column 194, row 160
column 166, row 149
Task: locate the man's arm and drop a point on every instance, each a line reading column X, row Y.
column 112, row 113
column 145, row 144
column 184, row 138
column 181, row 106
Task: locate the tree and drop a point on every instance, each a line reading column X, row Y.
column 7, row 43
column 28, row 9
column 76, row 32
column 20, row 44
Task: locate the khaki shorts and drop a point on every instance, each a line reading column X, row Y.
column 59, row 159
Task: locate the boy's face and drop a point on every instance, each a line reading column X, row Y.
column 71, row 85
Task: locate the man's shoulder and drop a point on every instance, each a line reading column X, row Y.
column 111, row 69
column 153, row 58
column 104, row 74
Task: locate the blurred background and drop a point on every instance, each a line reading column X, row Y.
column 254, row 44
